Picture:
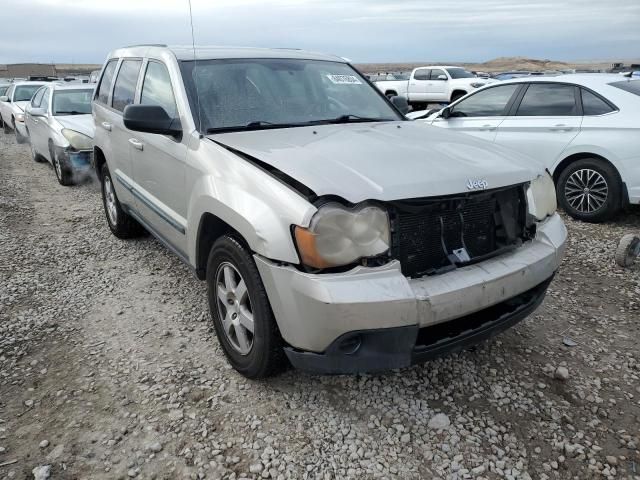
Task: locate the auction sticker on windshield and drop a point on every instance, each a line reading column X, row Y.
column 344, row 79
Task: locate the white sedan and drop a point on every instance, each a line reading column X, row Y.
column 60, row 128
column 12, row 104
column 584, row 128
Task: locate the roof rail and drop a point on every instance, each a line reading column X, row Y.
column 147, row 45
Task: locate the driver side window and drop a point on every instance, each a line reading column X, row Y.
column 491, row 102
column 45, row 100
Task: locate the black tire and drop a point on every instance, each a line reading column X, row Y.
column 456, row 95
column 612, row 202
column 390, row 94
column 123, row 226
column 5, row 128
column 63, row 171
column 266, row 356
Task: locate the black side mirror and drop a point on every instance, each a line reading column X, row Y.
column 151, row 119
column 446, row 112
column 401, row 104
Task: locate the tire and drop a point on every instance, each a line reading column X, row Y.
column 63, row 172
column 5, row 128
column 589, row 190
column 390, row 94
column 261, row 353
column 628, row 250
column 121, row 224
column 21, row 139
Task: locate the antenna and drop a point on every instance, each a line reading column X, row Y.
column 195, row 63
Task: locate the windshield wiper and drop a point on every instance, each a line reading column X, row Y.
column 350, row 118
column 70, row 112
column 256, row 125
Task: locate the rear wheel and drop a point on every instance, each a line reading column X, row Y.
column 589, row 190
column 121, row 224
column 242, row 316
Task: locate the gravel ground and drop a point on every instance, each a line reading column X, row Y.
column 109, row 368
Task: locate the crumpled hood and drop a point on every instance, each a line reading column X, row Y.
column 383, row 161
column 80, row 123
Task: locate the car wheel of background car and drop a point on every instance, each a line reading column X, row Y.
column 589, row 190
column 390, row 94
column 19, row 137
column 242, row 316
column 456, row 95
column 122, row 225
column 6, row 128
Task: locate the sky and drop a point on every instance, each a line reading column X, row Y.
column 365, row 31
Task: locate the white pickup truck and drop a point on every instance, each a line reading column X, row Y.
column 441, row 84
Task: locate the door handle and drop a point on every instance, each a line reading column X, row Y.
column 561, row 127
column 487, row 128
column 136, row 144
column 106, row 126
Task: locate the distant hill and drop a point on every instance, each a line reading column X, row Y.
column 23, row 70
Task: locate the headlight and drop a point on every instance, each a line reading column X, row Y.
column 340, row 236
column 541, row 197
column 477, row 84
column 19, row 117
column 77, row 140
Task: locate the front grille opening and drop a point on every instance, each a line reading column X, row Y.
column 433, row 334
column 428, row 232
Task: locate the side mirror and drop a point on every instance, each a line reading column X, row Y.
column 4, row 98
column 37, row 112
column 442, row 77
column 151, row 119
column 446, row 112
column 401, row 104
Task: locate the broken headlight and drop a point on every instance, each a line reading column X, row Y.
column 77, row 140
column 340, row 236
column 541, row 197
column 19, row 117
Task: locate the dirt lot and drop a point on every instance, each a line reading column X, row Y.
column 109, row 369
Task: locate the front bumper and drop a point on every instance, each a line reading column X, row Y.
column 76, row 161
column 375, row 318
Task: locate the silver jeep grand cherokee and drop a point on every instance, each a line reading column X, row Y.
column 331, row 232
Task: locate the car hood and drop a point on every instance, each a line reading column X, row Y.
column 20, row 105
column 383, row 161
column 80, row 123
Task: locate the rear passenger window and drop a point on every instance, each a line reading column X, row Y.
column 548, row 99
column 593, row 104
column 156, row 89
column 422, row 74
column 107, row 80
column 125, row 86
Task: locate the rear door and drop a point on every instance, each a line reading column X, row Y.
column 545, row 120
column 31, row 122
column 43, row 125
column 419, row 84
column 481, row 113
column 437, row 86
column 158, row 163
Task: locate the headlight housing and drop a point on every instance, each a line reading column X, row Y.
column 477, row 84
column 19, row 117
column 77, row 140
column 340, row 236
column 541, row 197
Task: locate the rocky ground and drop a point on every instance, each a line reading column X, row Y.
column 109, row 369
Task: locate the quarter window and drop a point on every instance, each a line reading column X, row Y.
column 156, row 89
column 548, row 99
column 125, row 86
column 491, row 102
column 37, row 98
column 107, row 80
column 45, row 100
column 421, row 74
column 593, row 104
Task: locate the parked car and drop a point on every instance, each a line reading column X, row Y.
column 440, row 84
column 330, row 230
column 12, row 105
column 60, row 129
column 585, row 128
column 3, row 90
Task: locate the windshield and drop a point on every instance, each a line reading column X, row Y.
column 24, row 92
column 460, row 73
column 631, row 86
column 72, row 102
column 277, row 93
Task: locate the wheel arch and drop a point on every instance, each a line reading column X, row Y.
column 210, row 229
column 98, row 160
column 458, row 91
column 390, row 92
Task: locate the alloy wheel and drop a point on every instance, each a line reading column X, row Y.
column 110, row 201
column 586, row 190
column 234, row 308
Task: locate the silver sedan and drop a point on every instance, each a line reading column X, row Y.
column 60, row 128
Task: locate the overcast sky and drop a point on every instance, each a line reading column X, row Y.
column 83, row 31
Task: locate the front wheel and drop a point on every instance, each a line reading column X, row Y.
column 242, row 316
column 5, row 127
column 121, row 224
column 19, row 137
column 589, row 190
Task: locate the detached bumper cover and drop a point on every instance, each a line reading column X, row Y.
column 385, row 315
